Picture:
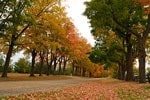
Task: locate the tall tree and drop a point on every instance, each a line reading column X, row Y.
column 14, row 21
column 48, row 30
column 126, row 14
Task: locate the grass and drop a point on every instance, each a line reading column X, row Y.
column 25, row 77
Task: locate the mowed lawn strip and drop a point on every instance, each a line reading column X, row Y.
column 26, row 77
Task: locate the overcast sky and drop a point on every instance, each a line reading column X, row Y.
column 75, row 9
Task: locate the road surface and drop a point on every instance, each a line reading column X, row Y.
column 20, row 87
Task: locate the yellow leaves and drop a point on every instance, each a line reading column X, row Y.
column 42, row 6
column 55, row 45
column 53, row 30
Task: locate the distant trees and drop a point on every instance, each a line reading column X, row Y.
column 22, row 66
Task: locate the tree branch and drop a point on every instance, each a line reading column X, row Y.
column 147, row 31
column 23, row 30
column 123, row 26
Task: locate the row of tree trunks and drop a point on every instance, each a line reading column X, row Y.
column 52, row 63
column 78, row 71
column 125, row 71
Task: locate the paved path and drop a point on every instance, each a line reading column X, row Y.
column 20, row 87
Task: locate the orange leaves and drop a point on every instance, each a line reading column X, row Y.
column 102, row 89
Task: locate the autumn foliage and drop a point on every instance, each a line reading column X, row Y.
column 48, row 36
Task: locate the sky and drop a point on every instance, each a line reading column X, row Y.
column 75, row 9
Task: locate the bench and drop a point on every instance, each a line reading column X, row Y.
column 136, row 78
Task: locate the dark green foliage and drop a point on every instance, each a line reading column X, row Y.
column 67, row 71
column 107, row 53
column 148, row 71
column 127, row 20
column 1, row 62
column 22, row 66
column 37, row 68
column 12, row 14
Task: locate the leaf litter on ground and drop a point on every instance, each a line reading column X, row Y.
column 103, row 89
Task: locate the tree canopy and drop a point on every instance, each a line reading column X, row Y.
column 130, row 23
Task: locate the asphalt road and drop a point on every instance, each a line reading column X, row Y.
column 20, row 87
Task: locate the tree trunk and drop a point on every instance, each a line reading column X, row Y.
column 64, row 67
column 60, row 63
column 141, row 57
column 121, row 71
column 55, row 65
column 141, row 51
column 90, row 74
column 73, row 68
column 49, row 65
column 76, row 70
column 122, row 65
column 33, row 63
column 129, row 58
column 41, row 63
column 129, row 63
column 41, row 67
column 83, row 71
column 80, row 71
column 7, row 61
column 49, row 70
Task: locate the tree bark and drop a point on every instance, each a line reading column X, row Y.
column 121, row 71
column 55, row 64
column 60, row 63
column 129, row 59
column 83, row 71
column 33, row 63
column 41, row 63
column 65, row 63
column 49, row 70
column 49, row 65
column 7, row 61
column 64, row 67
column 76, row 70
column 73, row 68
column 8, row 56
column 129, row 66
column 141, row 51
column 141, row 57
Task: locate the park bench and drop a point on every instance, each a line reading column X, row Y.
column 136, row 78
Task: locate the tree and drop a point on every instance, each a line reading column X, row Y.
column 14, row 20
column 22, row 66
column 48, row 31
column 125, row 14
column 1, row 62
